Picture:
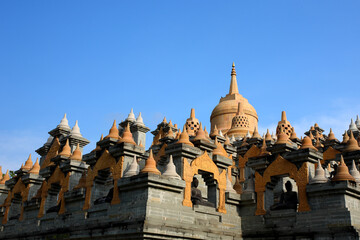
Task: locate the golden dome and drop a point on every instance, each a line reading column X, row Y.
column 223, row 113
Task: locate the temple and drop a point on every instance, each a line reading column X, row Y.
column 228, row 183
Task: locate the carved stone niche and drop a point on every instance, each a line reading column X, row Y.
column 103, row 184
column 51, row 202
column 208, row 187
column 275, row 188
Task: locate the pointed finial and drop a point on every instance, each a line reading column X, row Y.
column 354, row 172
column 76, row 130
column 268, row 136
column 113, row 132
column 353, row 127
column 221, row 134
column 64, row 123
column 150, row 165
column 200, row 135
column 28, row 163
column 139, row 120
column 342, row 173
column 66, row 151
column 131, row 116
column 227, row 140
column 170, row 170
column 233, row 84
column 345, row 138
column 164, row 120
column 192, row 113
column 357, row 122
column 352, row 144
column 215, row 132
column 170, row 133
column 256, row 134
column 311, row 136
column 5, row 178
column 36, row 168
column 319, row 175
column 184, row 137
column 127, row 136
column 331, row 135
column 76, row 155
column 170, row 123
column 283, row 116
column 293, row 134
column 133, row 169
column 263, row 151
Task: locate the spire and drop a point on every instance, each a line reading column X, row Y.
column 331, row 135
column 293, row 134
column 170, row 124
column 263, row 151
column 113, row 132
column 170, row 133
column 206, row 133
column 342, row 173
column 311, row 136
column 352, row 144
column 256, row 134
column 200, row 135
column 233, row 85
column 76, row 155
column 268, row 136
column 227, row 140
column 164, row 120
column 184, row 137
column 215, row 132
column 139, row 120
column 352, row 126
column 170, row 170
column 36, row 168
column 127, row 136
column 357, row 122
column 66, row 151
column 76, row 130
column 354, row 172
column 345, row 138
column 64, row 123
column 131, row 116
column 319, row 175
column 219, row 150
column 28, row 163
column 133, row 169
column 283, row 116
column 150, row 165
column 5, row 178
column 192, row 113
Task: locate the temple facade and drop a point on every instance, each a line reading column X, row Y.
column 228, row 183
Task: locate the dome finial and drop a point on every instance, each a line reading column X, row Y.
column 283, row 116
column 233, row 85
column 192, row 113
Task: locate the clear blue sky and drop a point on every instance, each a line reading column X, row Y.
column 95, row 60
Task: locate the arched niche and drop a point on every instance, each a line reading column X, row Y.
column 200, row 165
column 106, row 163
column 277, row 168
